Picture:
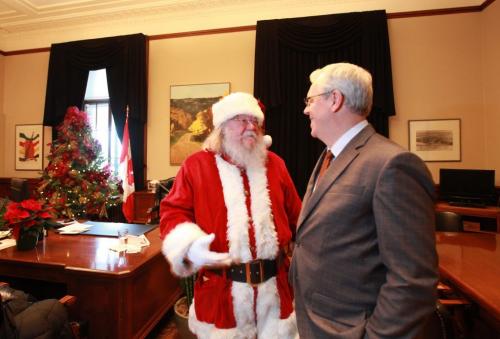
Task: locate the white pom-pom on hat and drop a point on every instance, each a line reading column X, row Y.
column 235, row 104
column 268, row 140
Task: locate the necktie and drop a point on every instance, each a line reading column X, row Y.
column 324, row 165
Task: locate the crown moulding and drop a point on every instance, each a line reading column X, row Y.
column 160, row 19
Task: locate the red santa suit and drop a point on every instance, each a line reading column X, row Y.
column 253, row 214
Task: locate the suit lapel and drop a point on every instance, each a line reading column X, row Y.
column 310, row 185
column 336, row 168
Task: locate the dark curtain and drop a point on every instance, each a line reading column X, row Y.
column 288, row 50
column 124, row 58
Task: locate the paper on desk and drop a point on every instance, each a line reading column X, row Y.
column 133, row 244
column 5, row 234
column 6, row 243
column 74, row 228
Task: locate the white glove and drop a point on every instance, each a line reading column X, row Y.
column 200, row 255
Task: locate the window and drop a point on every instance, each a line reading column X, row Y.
column 96, row 104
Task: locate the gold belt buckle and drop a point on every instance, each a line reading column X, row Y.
column 248, row 271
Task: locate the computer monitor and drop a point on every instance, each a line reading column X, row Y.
column 467, row 186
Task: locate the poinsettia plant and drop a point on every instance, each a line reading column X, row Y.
column 27, row 214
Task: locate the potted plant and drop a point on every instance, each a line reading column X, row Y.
column 181, row 307
column 28, row 220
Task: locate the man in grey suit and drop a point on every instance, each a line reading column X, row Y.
column 364, row 263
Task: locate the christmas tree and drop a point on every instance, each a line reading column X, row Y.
column 76, row 182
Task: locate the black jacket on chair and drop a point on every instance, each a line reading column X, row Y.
column 23, row 317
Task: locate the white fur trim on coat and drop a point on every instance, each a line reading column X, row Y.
column 268, row 309
column 176, row 245
column 237, row 215
column 243, row 298
column 268, row 315
column 266, row 237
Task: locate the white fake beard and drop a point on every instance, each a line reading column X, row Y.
column 244, row 157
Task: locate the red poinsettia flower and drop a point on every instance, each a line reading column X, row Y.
column 45, row 215
column 26, row 214
column 14, row 213
column 31, row 204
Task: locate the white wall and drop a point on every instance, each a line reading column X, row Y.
column 225, row 57
column 490, row 60
column 2, row 117
column 444, row 66
column 437, row 75
column 25, row 81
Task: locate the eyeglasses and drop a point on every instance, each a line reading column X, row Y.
column 245, row 121
column 309, row 100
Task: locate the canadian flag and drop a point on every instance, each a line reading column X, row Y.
column 127, row 175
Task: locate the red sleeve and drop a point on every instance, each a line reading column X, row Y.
column 177, row 207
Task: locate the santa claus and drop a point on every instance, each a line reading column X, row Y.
column 230, row 216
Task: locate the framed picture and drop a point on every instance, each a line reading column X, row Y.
column 191, row 117
column 435, row 140
column 29, row 146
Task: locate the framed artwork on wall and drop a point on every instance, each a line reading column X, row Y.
column 191, row 117
column 29, row 147
column 435, row 140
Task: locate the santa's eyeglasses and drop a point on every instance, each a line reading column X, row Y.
column 246, row 120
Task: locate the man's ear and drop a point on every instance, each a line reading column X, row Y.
column 337, row 100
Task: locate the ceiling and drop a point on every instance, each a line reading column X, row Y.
column 30, row 24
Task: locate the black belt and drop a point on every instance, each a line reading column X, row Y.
column 253, row 272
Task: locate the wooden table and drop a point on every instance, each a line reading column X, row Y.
column 121, row 295
column 471, row 262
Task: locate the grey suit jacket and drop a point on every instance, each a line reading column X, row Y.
column 365, row 263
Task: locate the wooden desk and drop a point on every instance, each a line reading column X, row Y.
column 121, row 295
column 471, row 262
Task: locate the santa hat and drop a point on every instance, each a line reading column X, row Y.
column 235, row 104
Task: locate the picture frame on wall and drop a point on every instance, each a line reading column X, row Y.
column 191, row 117
column 30, row 146
column 435, row 140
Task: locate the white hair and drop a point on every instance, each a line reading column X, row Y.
column 354, row 82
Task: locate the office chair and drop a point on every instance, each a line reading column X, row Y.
column 162, row 190
column 449, row 222
column 459, row 308
column 439, row 325
column 19, row 189
column 25, row 317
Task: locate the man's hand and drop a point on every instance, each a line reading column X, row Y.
column 200, row 255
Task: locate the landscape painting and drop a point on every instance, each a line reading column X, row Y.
column 435, row 140
column 191, row 117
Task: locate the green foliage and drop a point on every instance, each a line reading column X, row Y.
column 76, row 182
